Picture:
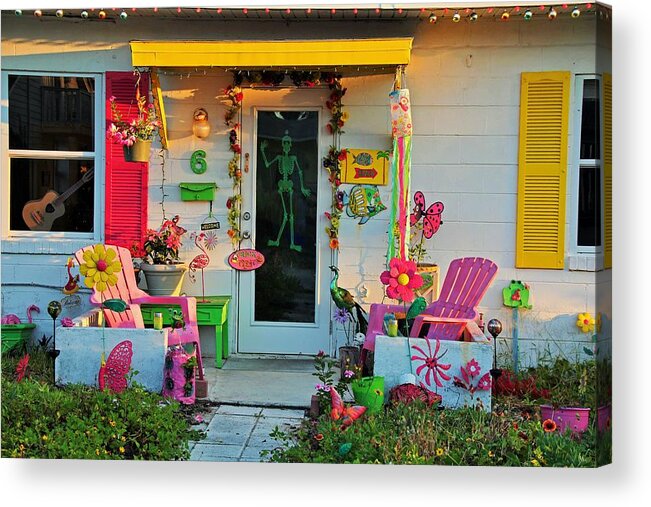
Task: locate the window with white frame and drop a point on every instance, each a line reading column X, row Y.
column 53, row 150
column 588, row 170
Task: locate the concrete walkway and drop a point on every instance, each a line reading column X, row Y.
column 282, row 383
column 239, row 433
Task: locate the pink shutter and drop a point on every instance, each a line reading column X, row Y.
column 126, row 182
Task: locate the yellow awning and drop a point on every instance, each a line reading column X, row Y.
column 269, row 54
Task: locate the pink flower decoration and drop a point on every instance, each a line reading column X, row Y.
column 473, row 368
column 67, row 322
column 484, row 383
column 401, row 280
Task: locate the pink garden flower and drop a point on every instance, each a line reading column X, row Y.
column 401, row 280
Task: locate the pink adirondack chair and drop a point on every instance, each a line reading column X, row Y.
column 127, row 289
column 465, row 284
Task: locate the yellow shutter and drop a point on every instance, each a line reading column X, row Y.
column 542, row 170
column 608, row 169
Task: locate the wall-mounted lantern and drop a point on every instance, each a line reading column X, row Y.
column 200, row 125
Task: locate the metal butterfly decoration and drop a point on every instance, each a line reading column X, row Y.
column 339, row 411
column 114, row 370
column 431, row 217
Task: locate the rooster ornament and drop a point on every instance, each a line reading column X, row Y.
column 345, row 300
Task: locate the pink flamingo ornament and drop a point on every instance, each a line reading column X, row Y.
column 12, row 318
column 201, row 262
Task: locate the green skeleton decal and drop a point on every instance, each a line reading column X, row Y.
column 286, row 164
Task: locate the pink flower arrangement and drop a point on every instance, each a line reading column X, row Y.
column 162, row 246
column 143, row 127
column 401, row 280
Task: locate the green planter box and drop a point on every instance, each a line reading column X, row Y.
column 13, row 335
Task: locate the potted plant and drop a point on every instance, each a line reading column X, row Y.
column 369, row 392
column 572, row 396
column 325, row 371
column 134, row 136
column 162, row 268
column 348, row 353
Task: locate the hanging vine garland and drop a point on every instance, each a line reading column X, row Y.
column 331, row 162
column 233, row 99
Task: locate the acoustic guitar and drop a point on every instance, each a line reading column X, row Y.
column 40, row 214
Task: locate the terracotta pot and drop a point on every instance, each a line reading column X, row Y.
column 574, row 418
column 164, row 279
column 138, row 152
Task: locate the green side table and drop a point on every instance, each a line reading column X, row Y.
column 211, row 312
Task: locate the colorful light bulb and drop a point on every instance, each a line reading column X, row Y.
column 576, row 12
column 38, row 13
column 505, row 16
column 473, row 16
column 101, row 14
column 84, row 14
column 432, row 18
column 456, row 17
column 123, row 15
column 552, row 13
column 527, row 15
column 18, row 12
column 59, row 13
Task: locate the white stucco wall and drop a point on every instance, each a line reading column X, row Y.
column 464, row 81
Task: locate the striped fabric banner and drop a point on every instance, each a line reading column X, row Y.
column 399, row 229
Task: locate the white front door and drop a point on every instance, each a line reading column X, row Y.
column 284, row 306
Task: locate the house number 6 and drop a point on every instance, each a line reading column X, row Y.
column 198, row 162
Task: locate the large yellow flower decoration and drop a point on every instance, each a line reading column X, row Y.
column 100, row 268
column 585, row 322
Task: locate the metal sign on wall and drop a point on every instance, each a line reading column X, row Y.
column 362, row 166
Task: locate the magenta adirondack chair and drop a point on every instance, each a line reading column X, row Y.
column 127, row 289
column 465, row 284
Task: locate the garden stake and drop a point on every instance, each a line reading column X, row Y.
column 516, row 322
column 495, row 328
column 54, row 310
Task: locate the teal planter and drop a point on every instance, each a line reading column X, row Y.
column 13, row 335
column 369, row 392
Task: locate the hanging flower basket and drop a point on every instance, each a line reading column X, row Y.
column 138, row 152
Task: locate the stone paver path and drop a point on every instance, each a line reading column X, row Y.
column 238, row 433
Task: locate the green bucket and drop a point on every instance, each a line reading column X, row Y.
column 369, row 392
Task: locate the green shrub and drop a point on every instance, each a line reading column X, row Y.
column 416, row 434
column 40, row 421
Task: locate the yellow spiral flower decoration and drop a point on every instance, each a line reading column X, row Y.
column 100, row 268
column 585, row 322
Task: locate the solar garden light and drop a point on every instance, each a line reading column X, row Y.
column 494, row 327
column 54, row 309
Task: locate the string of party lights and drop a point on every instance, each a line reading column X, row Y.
column 433, row 15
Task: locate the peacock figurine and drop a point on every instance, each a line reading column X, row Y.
column 345, row 300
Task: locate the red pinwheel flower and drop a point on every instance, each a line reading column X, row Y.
column 401, row 280
column 431, row 363
column 21, row 367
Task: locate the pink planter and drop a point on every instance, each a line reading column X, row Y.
column 604, row 415
column 575, row 418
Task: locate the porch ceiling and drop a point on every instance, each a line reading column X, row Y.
column 272, row 54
